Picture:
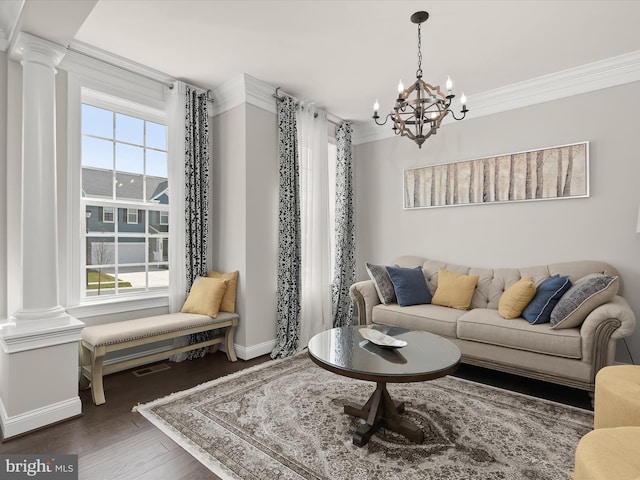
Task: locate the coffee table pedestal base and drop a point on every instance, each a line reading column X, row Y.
column 381, row 411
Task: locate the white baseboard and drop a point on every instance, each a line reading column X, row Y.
column 247, row 353
column 38, row 418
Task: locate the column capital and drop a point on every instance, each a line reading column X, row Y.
column 38, row 50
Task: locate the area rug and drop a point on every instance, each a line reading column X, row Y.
column 283, row 420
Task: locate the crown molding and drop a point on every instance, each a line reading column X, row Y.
column 243, row 89
column 10, row 11
column 610, row 72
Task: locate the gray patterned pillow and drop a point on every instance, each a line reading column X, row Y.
column 382, row 282
column 582, row 298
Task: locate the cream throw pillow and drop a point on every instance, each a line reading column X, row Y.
column 229, row 299
column 205, row 296
column 454, row 289
column 515, row 298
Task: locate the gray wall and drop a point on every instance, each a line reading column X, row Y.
column 244, row 224
column 601, row 227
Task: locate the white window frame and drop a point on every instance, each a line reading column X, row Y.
column 164, row 217
column 134, row 95
column 134, row 212
column 111, row 210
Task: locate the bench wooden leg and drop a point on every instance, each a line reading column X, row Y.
column 85, row 362
column 97, row 388
column 228, row 343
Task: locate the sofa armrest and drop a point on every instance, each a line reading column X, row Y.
column 602, row 327
column 365, row 295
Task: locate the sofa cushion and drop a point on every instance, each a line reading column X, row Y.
column 454, row 289
column 381, row 280
column 432, row 318
column 547, row 295
column 409, row 285
column 580, row 300
column 487, row 326
column 516, row 298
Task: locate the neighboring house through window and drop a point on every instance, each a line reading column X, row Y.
column 125, row 196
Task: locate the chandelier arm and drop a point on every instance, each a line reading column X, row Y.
column 386, row 119
column 463, row 112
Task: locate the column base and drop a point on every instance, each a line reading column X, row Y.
column 39, row 365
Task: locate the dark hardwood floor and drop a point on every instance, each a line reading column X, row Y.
column 112, row 443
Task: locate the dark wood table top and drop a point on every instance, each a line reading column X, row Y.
column 346, row 352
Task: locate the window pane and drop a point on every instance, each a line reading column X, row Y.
column 97, row 121
column 158, row 222
column 159, row 274
column 97, row 183
column 130, row 250
column 156, row 136
column 129, row 159
column 157, row 164
column 97, row 153
column 157, row 190
column 129, row 187
column 129, row 129
column 158, row 250
column 132, row 279
column 124, row 217
column 100, row 251
column 101, row 281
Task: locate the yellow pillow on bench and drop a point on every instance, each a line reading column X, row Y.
column 515, row 298
column 454, row 289
column 205, row 296
column 229, row 299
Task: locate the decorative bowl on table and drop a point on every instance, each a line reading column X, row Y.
column 379, row 338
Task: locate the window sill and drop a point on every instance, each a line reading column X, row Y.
column 94, row 308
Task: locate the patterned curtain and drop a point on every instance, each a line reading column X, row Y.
column 196, row 196
column 345, row 263
column 288, row 292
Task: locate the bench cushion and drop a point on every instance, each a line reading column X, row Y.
column 119, row 332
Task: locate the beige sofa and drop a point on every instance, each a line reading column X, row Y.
column 570, row 356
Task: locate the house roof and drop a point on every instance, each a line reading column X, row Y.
column 98, row 183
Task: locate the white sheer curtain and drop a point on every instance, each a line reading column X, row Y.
column 315, row 314
column 177, row 268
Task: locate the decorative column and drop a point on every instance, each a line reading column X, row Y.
column 39, row 358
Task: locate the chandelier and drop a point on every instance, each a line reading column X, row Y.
column 420, row 109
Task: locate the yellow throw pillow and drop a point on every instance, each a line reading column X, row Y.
column 229, row 300
column 515, row 298
column 454, row 289
column 205, row 296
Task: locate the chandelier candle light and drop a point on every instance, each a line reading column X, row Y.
column 420, row 116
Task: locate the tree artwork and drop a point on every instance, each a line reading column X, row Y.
column 544, row 174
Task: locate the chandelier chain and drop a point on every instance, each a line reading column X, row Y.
column 419, row 71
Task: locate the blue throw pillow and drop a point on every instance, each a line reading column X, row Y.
column 409, row 285
column 547, row 296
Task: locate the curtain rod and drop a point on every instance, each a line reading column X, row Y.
column 331, row 118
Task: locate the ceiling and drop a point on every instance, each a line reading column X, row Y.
column 346, row 54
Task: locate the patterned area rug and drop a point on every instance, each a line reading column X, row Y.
column 283, row 420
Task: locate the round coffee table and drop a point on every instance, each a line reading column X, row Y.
column 346, row 352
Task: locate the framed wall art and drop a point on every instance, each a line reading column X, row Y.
column 544, row 174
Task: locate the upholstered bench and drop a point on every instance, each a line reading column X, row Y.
column 99, row 340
